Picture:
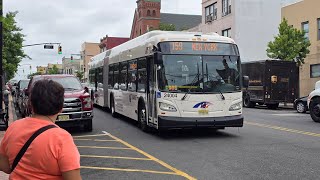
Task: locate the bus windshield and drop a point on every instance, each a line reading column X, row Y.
column 199, row 74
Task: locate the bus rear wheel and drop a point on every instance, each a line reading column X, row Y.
column 112, row 108
column 142, row 119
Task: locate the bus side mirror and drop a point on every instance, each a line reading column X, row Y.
column 26, row 92
column 157, row 56
column 245, row 81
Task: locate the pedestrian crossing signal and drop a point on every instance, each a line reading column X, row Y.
column 59, row 50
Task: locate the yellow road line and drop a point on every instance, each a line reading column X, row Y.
column 116, row 157
column 102, row 147
column 283, row 129
column 93, row 135
column 97, row 140
column 128, row 170
column 181, row 173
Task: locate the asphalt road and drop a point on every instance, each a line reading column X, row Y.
column 273, row 144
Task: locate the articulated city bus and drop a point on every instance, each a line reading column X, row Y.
column 168, row 80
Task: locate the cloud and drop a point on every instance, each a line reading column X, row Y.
column 72, row 22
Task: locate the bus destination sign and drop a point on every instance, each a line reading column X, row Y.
column 206, row 48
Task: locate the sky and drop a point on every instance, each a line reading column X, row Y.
column 72, row 22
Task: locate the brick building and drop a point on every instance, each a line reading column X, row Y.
column 111, row 42
column 148, row 16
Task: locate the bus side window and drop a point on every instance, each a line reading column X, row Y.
column 116, row 76
column 123, row 76
column 142, row 75
column 132, row 76
column 110, row 77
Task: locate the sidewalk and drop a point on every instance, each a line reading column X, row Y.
column 11, row 119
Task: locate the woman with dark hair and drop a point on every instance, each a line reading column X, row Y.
column 36, row 148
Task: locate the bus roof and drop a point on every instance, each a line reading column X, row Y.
column 142, row 45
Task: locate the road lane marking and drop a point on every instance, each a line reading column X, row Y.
column 116, row 157
column 91, row 135
column 97, row 140
column 129, row 170
column 283, row 129
column 291, row 114
column 176, row 171
column 104, row 147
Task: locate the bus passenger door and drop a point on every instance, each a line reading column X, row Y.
column 152, row 118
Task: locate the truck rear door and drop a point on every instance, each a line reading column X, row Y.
column 282, row 77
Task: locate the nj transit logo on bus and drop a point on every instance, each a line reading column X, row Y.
column 202, row 105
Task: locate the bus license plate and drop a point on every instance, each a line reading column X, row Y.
column 64, row 117
column 203, row 111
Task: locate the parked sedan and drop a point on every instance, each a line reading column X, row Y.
column 20, row 95
column 300, row 104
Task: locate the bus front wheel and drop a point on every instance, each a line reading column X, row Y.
column 142, row 119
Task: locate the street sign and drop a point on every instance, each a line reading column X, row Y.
column 48, row 46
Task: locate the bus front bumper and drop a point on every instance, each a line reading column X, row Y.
column 166, row 122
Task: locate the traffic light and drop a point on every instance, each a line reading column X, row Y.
column 71, row 58
column 59, row 49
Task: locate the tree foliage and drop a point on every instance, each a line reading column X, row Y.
column 54, row 70
column 80, row 74
column 290, row 44
column 12, row 45
column 167, row 27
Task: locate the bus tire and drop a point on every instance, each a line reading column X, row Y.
column 113, row 108
column 142, row 118
column 315, row 109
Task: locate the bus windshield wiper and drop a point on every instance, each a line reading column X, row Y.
column 192, row 84
column 222, row 96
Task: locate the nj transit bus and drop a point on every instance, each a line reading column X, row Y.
column 169, row 80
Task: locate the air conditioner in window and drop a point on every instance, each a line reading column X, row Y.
column 208, row 18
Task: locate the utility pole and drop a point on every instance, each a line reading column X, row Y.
column 1, row 69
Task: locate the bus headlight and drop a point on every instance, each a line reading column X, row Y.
column 167, row 107
column 236, row 106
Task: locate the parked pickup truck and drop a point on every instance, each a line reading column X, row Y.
column 77, row 108
column 314, row 103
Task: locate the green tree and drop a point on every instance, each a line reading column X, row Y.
column 33, row 74
column 54, row 70
column 290, row 44
column 167, row 27
column 12, row 45
column 80, row 74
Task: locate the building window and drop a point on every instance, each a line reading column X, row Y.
column 315, row 70
column 318, row 29
column 148, row 13
column 227, row 33
column 305, row 28
column 154, row 13
column 211, row 12
column 226, row 7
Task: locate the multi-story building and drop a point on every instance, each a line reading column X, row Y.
column 305, row 15
column 71, row 66
column 251, row 23
column 41, row 69
column 111, row 42
column 147, row 17
column 50, row 66
column 88, row 50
